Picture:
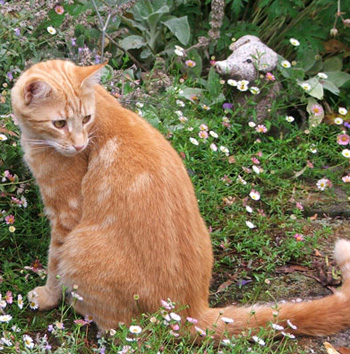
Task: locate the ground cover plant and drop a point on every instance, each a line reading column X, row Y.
column 253, row 179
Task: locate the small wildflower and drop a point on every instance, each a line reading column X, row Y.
column 179, row 51
column 338, row 121
column 294, row 42
column 232, row 82
column 191, row 320
column 291, row 325
column 258, row 340
column 139, row 104
column 251, row 124
column 343, row 139
column 346, row 153
column 175, row 316
column 346, row 179
column 167, row 304
column 178, row 113
column 213, row 147
column 288, row 335
column 213, row 134
column 277, row 327
column 226, row 342
column 323, row 183
column 5, row 318
column 226, row 106
column 242, row 85
column 313, row 148
column 76, row 296
column 255, row 195
column 203, row 134
column 8, row 297
column 299, row 237
column 194, row 141
column 306, row 86
column 135, row 329
column 199, row 331
column 225, row 120
column 59, row 325
column 270, row 77
column 322, row 76
column 290, row 119
column 183, row 119
column 255, row 160
column 227, row 319
column 112, row 332
column 241, row 180
column 261, row 128
column 224, row 150
column 34, row 304
column 190, row 63
column 20, row 301
column 256, row 169
column 205, row 107
column 12, row 229
column 9, row 219
column 174, row 334
column 80, row 322
column 28, row 341
column 203, row 127
column 254, row 90
column 50, row 328
column 343, row 111
column 59, row 10
column 3, row 137
column 249, row 209
column 180, row 103
column 317, row 110
column 51, row 30
column 299, row 206
column 286, row 64
column 250, row 224
column 88, row 318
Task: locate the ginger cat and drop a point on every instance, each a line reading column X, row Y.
column 124, row 215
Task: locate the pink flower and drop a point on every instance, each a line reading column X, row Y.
column 9, row 219
column 212, row 62
column 299, row 206
column 346, row 179
column 203, row 134
column 8, row 297
column 190, row 63
column 255, row 160
column 59, row 10
column 316, row 110
column 203, row 127
column 261, row 128
column 299, row 237
column 191, row 320
column 270, row 77
column 259, row 153
column 80, row 322
column 343, row 139
column 310, row 164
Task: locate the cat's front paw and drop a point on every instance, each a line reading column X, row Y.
column 43, row 298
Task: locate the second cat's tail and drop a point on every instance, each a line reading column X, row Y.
column 324, row 316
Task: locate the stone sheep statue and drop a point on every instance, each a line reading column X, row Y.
column 250, row 56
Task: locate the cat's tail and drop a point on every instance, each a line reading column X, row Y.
column 317, row 317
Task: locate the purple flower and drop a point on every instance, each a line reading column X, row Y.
column 10, row 76
column 347, row 125
column 17, row 31
column 73, row 41
column 97, row 59
column 227, row 105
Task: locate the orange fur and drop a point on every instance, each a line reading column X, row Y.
column 124, row 215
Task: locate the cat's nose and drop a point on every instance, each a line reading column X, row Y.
column 78, row 147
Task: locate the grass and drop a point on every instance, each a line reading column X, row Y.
column 287, row 168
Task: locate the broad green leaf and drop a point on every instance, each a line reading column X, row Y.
column 180, row 28
column 146, row 53
column 329, row 86
column 332, row 64
column 154, row 18
column 316, row 89
column 189, row 93
column 132, row 42
column 307, row 58
column 338, row 78
column 107, row 73
column 213, row 84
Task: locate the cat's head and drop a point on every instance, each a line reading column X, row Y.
column 54, row 104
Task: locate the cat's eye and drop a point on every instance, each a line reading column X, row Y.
column 86, row 118
column 59, row 123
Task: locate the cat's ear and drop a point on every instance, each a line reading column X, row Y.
column 35, row 91
column 90, row 75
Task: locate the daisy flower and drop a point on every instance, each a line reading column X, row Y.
column 9, row 219
column 251, row 124
column 59, row 325
column 178, row 113
column 190, row 63
column 226, row 342
column 194, row 141
column 5, row 318
column 76, row 296
column 322, row 76
column 3, row 137
column 205, row 107
column 180, row 103
column 256, row 169
column 28, row 341
column 346, row 179
column 250, row 224
column 12, row 228
column 242, row 85
column 343, row 139
column 270, row 77
column 261, row 128
column 199, row 331
column 59, row 10
column 224, row 150
column 290, row 119
column 139, row 104
column 286, row 64
column 338, row 121
column 291, row 325
column 343, row 111
column 203, row 134
column 305, row 86
column 294, row 42
column 277, row 327
column 227, row 319
column 34, row 304
column 254, row 90
column 203, row 127
column 346, row 153
column 299, row 237
column 51, row 30
column 249, row 209
column 258, row 340
column 135, row 329
column 183, row 119
column 175, row 316
column 323, row 183
column 316, row 110
column 288, row 335
column 179, row 51
column 241, row 180
column 191, row 320
column 20, row 301
column 232, row 82
column 213, row 134
column 213, row 147
column 255, row 195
